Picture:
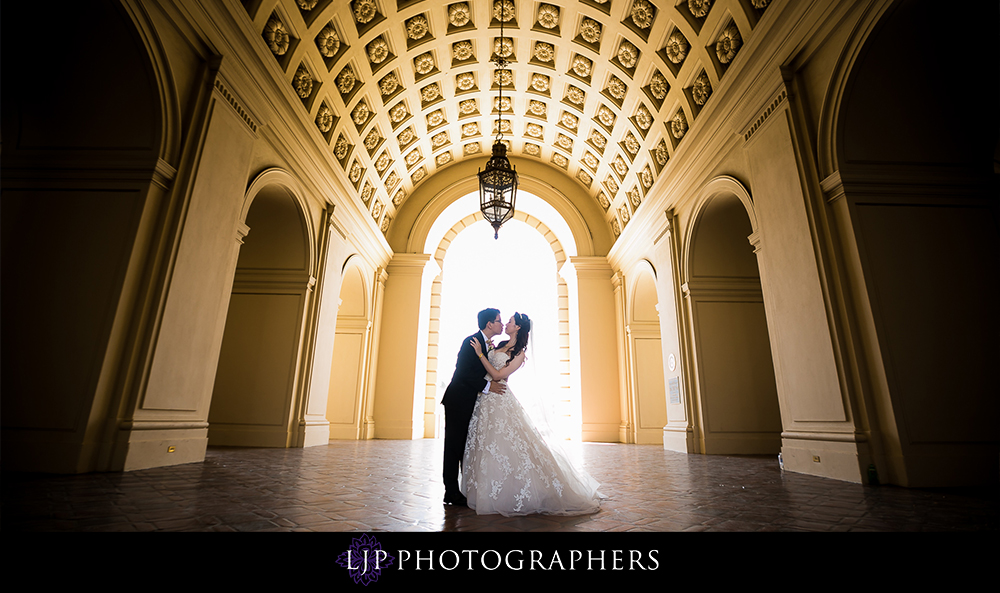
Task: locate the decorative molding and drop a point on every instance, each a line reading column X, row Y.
column 242, row 230
column 727, row 288
column 728, row 44
column 838, row 437
column 236, row 104
column 833, row 187
column 907, row 183
column 164, row 174
column 764, row 114
column 294, row 280
column 161, row 425
column 677, row 47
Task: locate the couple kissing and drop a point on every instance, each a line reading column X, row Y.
column 507, row 466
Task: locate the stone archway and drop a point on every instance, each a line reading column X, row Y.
column 646, row 392
column 567, row 394
column 403, row 391
column 904, row 204
column 86, row 188
column 735, row 399
column 258, row 384
column 348, row 405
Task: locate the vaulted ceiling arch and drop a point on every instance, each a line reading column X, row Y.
column 602, row 91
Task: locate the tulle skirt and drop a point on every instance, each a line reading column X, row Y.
column 510, row 469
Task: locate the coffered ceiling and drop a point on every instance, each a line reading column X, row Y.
column 603, row 91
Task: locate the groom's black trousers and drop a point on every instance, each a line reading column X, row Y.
column 459, row 402
column 457, row 416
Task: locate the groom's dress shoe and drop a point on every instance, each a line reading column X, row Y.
column 455, row 499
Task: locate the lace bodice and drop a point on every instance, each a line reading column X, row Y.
column 498, row 360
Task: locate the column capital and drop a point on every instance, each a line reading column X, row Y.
column 589, row 265
column 618, row 279
column 242, row 230
column 412, row 263
column 833, row 187
column 775, row 88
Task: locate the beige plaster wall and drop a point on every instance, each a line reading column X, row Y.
column 58, row 326
column 333, row 256
column 939, row 340
column 254, row 386
column 599, row 361
column 734, row 370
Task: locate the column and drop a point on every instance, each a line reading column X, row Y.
column 819, row 435
column 590, row 278
column 678, row 433
column 402, row 351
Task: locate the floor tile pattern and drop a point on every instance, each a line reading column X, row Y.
column 396, row 486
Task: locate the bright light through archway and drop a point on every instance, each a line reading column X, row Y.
column 516, row 272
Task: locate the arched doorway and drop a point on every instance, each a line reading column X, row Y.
column 519, row 275
column 257, row 384
column 82, row 200
column 406, row 390
column 736, row 397
column 348, row 405
column 921, row 240
column 647, row 408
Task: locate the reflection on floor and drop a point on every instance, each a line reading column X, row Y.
column 396, row 486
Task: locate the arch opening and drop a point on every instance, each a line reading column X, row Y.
column 85, row 260
column 928, row 202
column 257, row 384
column 520, row 272
column 348, row 409
column 647, row 398
column 735, row 390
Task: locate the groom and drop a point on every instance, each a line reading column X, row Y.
column 460, row 399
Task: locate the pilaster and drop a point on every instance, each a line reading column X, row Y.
column 599, row 381
column 314, row 428
column 371, row 355
column 402, row 352
column 678, row 433
column 797, row 271
column 164, row 421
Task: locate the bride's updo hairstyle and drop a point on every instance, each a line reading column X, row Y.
column 524, row 324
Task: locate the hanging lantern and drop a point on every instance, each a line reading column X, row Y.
column 498, row 181
column 497, row 188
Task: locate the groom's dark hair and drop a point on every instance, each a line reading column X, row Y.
column 486, row 316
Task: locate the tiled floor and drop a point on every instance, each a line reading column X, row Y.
column 395, row 486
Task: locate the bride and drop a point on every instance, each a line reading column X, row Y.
column 508, row 467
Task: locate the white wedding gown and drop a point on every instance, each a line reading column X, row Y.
column 509, row 468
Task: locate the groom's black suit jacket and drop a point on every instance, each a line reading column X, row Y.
column 470, row 376
column 459, row 402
